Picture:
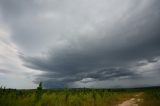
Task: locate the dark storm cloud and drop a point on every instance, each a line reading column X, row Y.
column 62, row 79
column 80, row 43
column 73, row 64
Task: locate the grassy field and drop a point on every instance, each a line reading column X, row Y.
column 151, row 97
column 77, row 97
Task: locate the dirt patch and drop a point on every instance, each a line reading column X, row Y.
column 133, row 101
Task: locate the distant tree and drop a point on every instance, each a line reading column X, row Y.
column 40, row 86
column 1, row 87
column 4, row 88
column 39, row 91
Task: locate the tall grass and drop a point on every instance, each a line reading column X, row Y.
column 75, row 97
column 151, row 97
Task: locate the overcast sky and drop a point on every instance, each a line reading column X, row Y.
column 79, row 43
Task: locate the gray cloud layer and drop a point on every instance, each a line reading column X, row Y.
column 86, row 41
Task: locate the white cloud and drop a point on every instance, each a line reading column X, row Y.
column 12, row 73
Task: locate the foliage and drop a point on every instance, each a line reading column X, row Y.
column 74, row 97
column 151, row 97
column 39, row 91
column 39, row 88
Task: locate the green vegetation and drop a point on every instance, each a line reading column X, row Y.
column 39, row 91
column 76, row 97
column 151, row 97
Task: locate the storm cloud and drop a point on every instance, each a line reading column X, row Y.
column 79, row 43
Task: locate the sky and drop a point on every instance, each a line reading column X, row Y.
column 79, row 43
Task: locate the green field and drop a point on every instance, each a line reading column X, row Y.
column 77, row 97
